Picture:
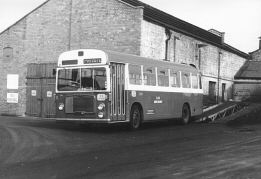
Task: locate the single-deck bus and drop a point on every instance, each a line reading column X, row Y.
column 104, row 86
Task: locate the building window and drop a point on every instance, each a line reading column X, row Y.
column 212, row 89
column 8, row 53
column 200, row 82
column 223, row 91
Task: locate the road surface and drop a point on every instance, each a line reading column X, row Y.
column 32, row 148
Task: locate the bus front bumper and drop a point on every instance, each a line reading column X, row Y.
column 109, row 121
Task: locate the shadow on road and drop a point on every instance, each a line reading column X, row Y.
column 96, row 128
column 252, row 118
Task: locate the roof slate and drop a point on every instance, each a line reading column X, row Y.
column 250, row 70
column 169, row 21
column 176, row 24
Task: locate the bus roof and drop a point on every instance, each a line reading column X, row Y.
column 138, row 60
column 79, row 57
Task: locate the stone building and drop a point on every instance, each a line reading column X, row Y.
column 128, row 26
column 247, row 85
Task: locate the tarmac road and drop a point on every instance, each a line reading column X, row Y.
column 31, row 148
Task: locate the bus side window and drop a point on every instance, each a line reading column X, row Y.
column 149, row 76
column 194, row 78
column 163, row 78
column 186, row 80
column 135, row 74
column 174, row 79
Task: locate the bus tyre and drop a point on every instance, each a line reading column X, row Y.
column 185, row 118
column 135, row 118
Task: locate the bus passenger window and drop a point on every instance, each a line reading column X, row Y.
column 163, row 78
column 194, row 81
column 174, row 79
column 186, row 80
column 149, row 76
column 135, row 74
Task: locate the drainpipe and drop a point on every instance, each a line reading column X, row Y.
column 70, row 27
column 199, row 46
column 168, row 34
column 218, row 77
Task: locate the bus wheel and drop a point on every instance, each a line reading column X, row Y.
column 185, row 119
column 135, row 118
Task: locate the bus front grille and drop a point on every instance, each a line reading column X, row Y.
column 82, row 104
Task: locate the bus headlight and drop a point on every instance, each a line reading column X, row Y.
column 100, row 114
column 101, row 106
column 61, row 106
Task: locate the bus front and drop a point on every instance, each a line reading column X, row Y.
column 82, row 86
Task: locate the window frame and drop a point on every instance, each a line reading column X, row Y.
column 194, row 77
column 135, row 76
column 186, row 83
column 163, row 76
column 177, row 79
column 8, row 53
column 149, row 71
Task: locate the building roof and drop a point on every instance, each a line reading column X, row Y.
column 251, row 70
column 235, row 51
column 157, row 16
column 251, row 53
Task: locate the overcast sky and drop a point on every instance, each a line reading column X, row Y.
column 239, row 19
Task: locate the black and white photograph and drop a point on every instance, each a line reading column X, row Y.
column 130, row 89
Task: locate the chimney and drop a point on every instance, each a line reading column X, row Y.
column 222, row 37
column 259, row 43
column 220, row 34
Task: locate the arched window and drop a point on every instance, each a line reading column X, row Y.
column 8, row 53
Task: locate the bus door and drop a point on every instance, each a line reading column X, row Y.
column 118, row 95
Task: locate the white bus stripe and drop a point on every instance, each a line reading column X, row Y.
column 162, row 89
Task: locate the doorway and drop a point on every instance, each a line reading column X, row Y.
column 40, row 89
column 223, row 91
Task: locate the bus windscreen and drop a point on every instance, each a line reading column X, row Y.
column 82, row 79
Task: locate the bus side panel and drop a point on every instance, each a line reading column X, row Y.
column 157, row 105
column 165, row 105
column 195, row 103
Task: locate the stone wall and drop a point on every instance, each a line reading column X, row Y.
column 60, row 25
column 247, row 90
column 109, row 24
column 216, row 64
column 38, row 37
